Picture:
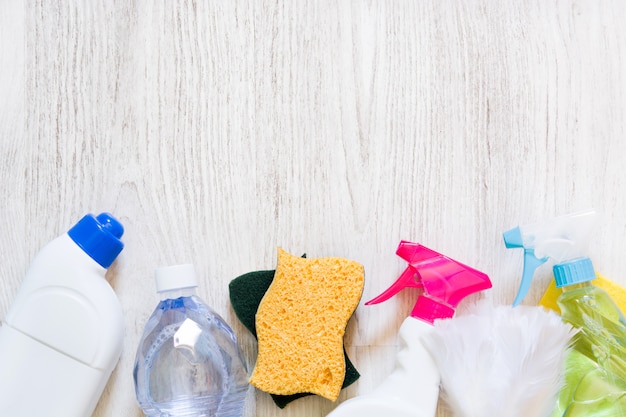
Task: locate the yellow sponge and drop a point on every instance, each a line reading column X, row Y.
column 617, row 293
column 301, row 322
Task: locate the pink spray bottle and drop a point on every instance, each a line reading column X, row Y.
column 412, row 389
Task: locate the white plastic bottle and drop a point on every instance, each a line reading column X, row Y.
column 63, row 334
column 188, row 361
column 411, row 390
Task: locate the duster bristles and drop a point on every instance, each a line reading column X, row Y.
column 500, row 361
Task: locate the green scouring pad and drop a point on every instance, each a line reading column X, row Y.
column 246, row 293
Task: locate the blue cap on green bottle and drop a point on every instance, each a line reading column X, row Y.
column 573, row 272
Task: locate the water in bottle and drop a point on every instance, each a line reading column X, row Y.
column 188, row 361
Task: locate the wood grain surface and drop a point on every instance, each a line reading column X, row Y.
column 217, row 131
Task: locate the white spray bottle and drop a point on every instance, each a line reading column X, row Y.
column 412, row 389
column 63, row 335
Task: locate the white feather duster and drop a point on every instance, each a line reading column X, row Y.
column 500, row 361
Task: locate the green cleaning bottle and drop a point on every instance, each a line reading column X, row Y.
column 595, row 373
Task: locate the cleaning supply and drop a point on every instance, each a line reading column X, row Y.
column 500, row 360
column 246, row 292
column 188, row 362
column 412, row 389
column 562, row 239
column 63, row 334
column 602, row 335
column 300, row 325
column 582, row 304
column 582, row 371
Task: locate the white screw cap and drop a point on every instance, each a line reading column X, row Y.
column 176, row 277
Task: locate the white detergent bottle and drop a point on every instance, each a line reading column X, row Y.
column 63, row 334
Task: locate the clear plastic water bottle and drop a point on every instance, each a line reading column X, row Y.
column 188, row 361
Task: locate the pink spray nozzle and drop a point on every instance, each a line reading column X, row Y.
column 445, row 281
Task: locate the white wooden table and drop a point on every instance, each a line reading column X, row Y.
column 219, row 130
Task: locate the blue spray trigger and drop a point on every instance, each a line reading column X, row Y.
column 513, row 238
column 531, row 263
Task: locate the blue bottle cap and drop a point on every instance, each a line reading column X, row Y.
column 99, row 236
column 573, row 272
